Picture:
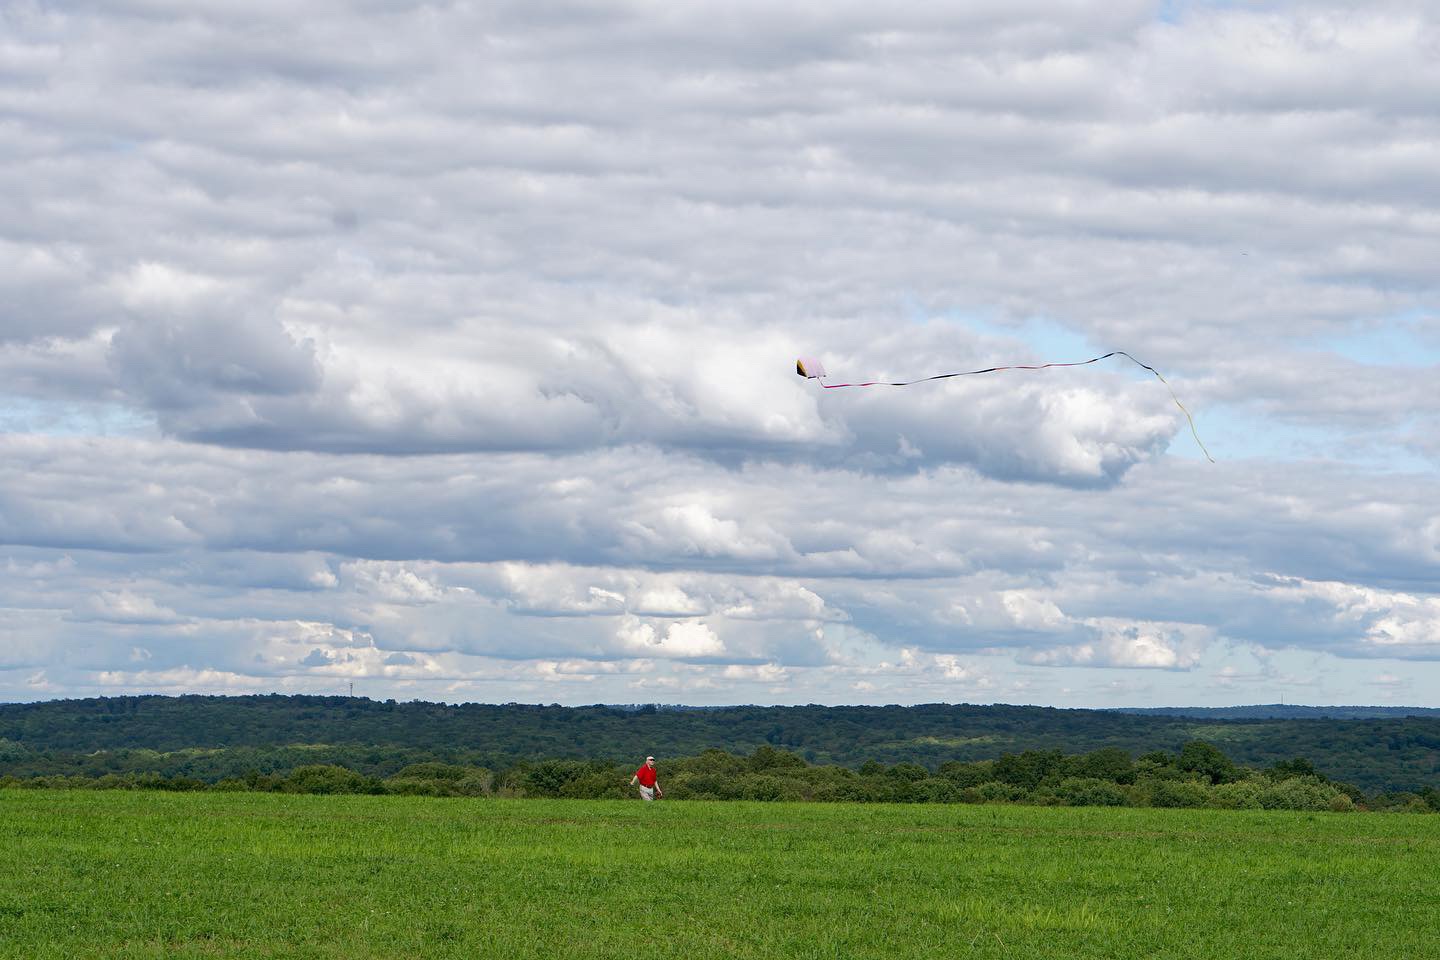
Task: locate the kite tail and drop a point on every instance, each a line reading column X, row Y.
column 801, row 368
column 1188, row 419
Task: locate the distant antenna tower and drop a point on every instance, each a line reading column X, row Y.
column 352, row 688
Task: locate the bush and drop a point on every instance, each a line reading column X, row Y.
column 907, row 771
column 325, row 778
column 1290, row 769
column 1298, row 794
column 440, row 780
column 549, row 777
column 1173, row 793
column 1239, row 795
column 967, row 774
column 993, row 792
column 695, row 786
column 845, row 791
column 1148, row 769
column 761, row 787
column 478, row 782
column 406, row 787
column 768, row 758
column 1110, row 763
column 1090, row 792
column 1341, row 803
column 710, row 761
column 932, row 790
column 431, row 771
column 1028, row 769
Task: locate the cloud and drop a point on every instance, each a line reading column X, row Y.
column 317, row 658
column 1367, row 621
column 123, row 606
column 680, row 638
column 1130, row 644
column 330, row 349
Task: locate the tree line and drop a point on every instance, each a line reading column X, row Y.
column 214, row 738
column 1199, row 775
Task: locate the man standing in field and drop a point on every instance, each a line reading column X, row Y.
column 648, row 780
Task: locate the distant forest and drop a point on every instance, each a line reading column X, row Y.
column 213, row 738
column 1283, row 711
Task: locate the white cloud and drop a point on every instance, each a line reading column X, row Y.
column 756, row 673
column 325, row 339
column 392, row 583
column 124, row 606
column 1369, row 620
column 679, row 638
column 1119, row 643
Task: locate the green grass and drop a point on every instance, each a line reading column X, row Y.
column 113, row 874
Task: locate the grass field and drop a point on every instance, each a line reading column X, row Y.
column 114, row 874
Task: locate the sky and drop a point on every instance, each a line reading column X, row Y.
column 447, row 351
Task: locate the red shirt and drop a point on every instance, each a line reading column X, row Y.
column 646, row 775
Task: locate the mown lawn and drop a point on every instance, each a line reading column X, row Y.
column 114, row 874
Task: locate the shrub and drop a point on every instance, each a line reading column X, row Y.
column 327, row 778
column 967, row 774
column 933, row 790
column 1298, row 794
column 1028, row 769
column 406, row 787
column 857, row 790
column 993, row 791
column 761, row 787
column 1341, row 803
column 431, row 771
column 1090, row 792
column 600, row 784
column 907, row 771
column 1289, row 769
column 710, row 761
column 1239, row 795
column 768, row 758
column 549, row 777
column 1110, row 763
column 1173, row 793
column 478, row 782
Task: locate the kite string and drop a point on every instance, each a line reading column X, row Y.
column 1039, row 366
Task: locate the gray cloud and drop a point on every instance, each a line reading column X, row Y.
column 448, row 346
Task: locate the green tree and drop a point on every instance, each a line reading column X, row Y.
column 1203, row 758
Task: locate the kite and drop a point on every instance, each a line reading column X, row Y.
column 812, row 369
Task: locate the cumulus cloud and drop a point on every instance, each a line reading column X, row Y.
column 331, row 350
column 1130, row 644
column 1368, row 621
column 124, row 606
column 680, row 638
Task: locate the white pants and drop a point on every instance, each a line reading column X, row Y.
column 647, row 793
